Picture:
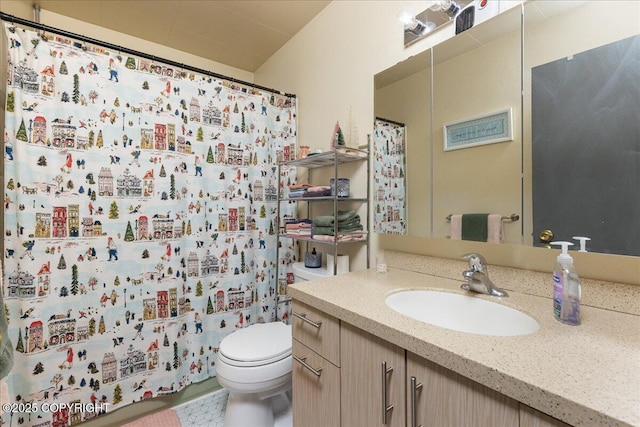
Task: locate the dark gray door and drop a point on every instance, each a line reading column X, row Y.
column 586, row 147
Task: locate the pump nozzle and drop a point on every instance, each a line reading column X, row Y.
column 564, row 256
column 583, row 242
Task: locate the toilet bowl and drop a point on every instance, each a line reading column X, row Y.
column 254, row 364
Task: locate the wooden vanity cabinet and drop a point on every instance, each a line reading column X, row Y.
column 316, row 367
column 443, row 398
column 373, row 378
column 530, row 417
column 344, row 376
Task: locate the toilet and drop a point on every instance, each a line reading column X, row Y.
column 303, row 274
column 254, row 364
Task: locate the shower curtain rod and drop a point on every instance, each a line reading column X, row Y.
column 46, row 28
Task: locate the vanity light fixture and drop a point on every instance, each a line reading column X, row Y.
column 450, row 7
column 414, row 25
column 440, row 13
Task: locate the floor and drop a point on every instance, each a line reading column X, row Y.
column 208, row 411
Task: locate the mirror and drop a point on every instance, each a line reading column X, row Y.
column 496, row 177
column 406, row 100
column 476, row 74
column 582, row 135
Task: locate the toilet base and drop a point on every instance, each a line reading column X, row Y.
column 246, row 410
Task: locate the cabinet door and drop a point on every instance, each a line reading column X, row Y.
column 449, row 399
column 316, row 395
column 530, row 417
column 367, row 390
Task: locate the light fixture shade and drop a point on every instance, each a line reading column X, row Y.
column 419, row 28
column 450, row 7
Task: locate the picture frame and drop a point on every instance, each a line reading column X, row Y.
column 480, row 130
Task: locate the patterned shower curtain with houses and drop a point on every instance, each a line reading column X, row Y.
column 140, row 223
column 389, row 168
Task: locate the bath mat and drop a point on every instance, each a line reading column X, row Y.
column 166, row 418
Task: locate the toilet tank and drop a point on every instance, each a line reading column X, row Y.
column 302, row 273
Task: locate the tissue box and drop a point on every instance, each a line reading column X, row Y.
column 343, row 187
column 343, row 263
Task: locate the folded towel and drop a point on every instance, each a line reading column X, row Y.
column 296, row 193
column 344, row 237
column 330, row 220
column 319, row 188
column 299, row 186
column 329, row 231
column 317, row 193
column 495, row 229
column 349, row 223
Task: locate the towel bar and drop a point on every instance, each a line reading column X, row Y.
column 512, row 217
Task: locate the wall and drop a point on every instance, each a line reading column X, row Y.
column 335, row 57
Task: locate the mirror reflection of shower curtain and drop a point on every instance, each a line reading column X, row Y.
column 389, row 177
column 140, row 221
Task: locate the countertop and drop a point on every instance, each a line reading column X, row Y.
column 586, row 375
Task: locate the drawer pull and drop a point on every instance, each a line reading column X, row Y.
column 303, row 317
column 414, row 389
column 385, row 407
column 302, row 361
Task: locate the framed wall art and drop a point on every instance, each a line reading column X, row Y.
column 480, row 130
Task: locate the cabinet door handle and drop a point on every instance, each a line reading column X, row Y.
column 303, row 317
column 385, row 407
column 414, row 414
column 302, row 361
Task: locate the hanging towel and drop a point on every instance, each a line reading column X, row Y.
column 475, row 227
column 495, row 229
column 456, row 227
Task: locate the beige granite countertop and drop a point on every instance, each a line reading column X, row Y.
column 587, row 375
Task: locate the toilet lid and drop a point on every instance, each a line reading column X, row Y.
column 258, row 344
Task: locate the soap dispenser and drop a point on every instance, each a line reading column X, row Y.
column 566, row 288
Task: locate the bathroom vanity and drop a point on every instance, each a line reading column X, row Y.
column 359, row 363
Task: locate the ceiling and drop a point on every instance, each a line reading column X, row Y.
column 239, row 33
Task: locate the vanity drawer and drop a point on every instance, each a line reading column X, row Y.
column 317, row 330
column 316, row 389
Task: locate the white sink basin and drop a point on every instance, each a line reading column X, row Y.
column 462, row 313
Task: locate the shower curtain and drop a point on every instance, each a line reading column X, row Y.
column 389, row 168
column 140, row 219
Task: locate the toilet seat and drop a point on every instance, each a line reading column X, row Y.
column 257, row 345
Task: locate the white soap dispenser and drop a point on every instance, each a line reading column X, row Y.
column 566, row 288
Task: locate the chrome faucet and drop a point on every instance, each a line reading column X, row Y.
column 477, row 277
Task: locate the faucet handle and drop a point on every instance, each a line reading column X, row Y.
column 476, row 262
